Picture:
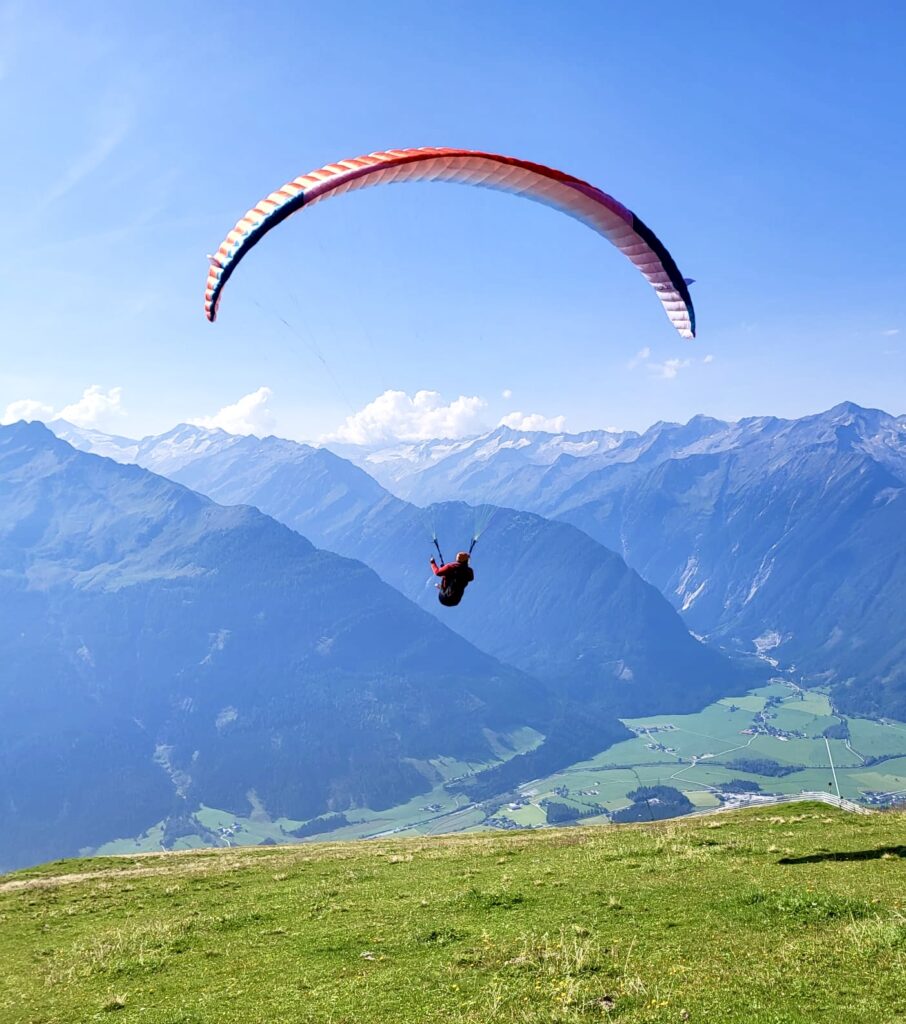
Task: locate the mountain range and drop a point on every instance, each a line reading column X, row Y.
column 547, row 599
column 785, row 536
column 159, row 651
column 174, row 635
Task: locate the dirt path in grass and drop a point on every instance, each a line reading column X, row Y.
column 172, row 862
column 48, row 881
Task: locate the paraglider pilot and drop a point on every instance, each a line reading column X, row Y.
column 454, row 578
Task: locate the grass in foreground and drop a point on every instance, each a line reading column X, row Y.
column 756, row 916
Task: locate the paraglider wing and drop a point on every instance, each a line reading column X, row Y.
column 507, row 174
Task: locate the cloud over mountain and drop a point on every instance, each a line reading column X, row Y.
column 94, row 408
column 249, row 415
column 533, row 421
column 26, row 409
column 397, row 416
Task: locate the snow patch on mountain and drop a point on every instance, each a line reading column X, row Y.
column 438, row 470
column 886, row 495
column 761, row 577
column 578, row 449
column 689, row 599
column 181, row 780
column 224, row 717
column 325, row 645
column 494, row 445
column 218, row 643
column 685, row 589
column 170, row 452
column 85, row 654
column 163, row 453
column 121, row 449
column 688, row 574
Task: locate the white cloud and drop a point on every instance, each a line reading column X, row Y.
column 397, row 416
column 506, row 393
column 533, row 421
column 250, row 415
column 669, row 368
column 708, row 358
column 26, row 409
column 642, row 356
column 891, row 332
column 94, row 405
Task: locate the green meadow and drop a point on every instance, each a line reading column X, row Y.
column 752, row 916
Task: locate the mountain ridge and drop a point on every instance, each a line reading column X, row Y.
column 159, row 649
column 619, row 645
column 718, row 515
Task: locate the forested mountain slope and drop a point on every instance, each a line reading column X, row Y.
column 158, row 650
column 548, row 598
column 788, row 534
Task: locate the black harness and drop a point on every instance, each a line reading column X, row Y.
column 452, row 585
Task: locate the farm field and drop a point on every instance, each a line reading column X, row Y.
column 778, row 724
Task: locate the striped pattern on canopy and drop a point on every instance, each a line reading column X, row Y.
column 570, row 195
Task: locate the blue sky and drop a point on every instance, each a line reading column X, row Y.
column 763, row 143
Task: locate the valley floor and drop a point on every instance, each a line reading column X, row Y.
column 779, row 729
column 698, row 754
column 796, row 916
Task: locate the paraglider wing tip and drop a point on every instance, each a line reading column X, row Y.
column 689, row 280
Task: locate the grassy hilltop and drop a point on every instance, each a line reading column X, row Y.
column 797, row 915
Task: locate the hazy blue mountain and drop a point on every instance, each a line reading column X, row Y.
column 158, row 650
column 785, row 534
column 473, row 469
column 161, row 453
column 552, row 601
column 548, row 599
column 310, row 489
column 123, row 449
column 792, row 537
column 780, row 535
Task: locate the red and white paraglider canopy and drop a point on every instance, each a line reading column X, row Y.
column 507, row 174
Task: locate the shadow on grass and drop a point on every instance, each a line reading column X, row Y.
column 878, row 854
